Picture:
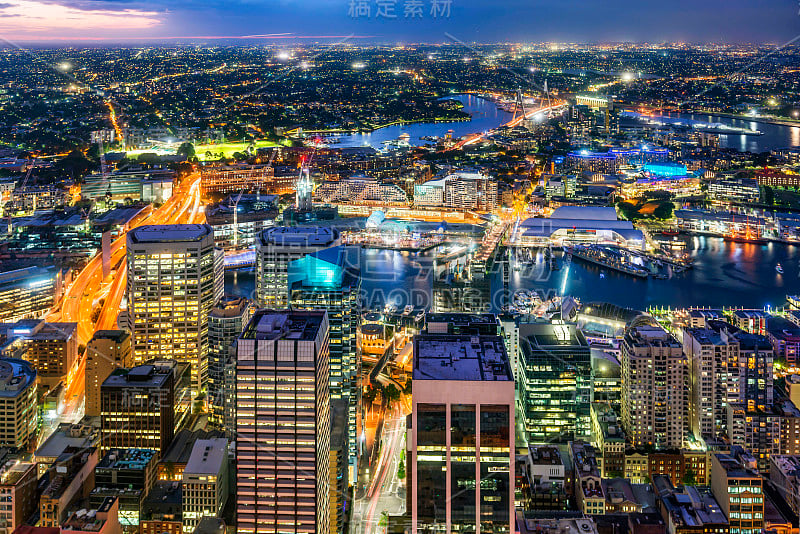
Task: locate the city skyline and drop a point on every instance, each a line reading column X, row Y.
column 396, row 21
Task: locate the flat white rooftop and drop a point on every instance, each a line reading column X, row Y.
column 207, row 457
column 159, row 233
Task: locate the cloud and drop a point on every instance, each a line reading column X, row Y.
column 35, row 19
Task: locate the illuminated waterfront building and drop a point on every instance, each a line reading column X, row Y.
column 654, row 395
column 461, row 435
column 459, row 191
column 19, row 424
column 27, row 293
column 330, row 279
column 579, row 224
column 175, row 275
column 275, row 249
column 142, row 407
column 225, row 323
column 360, row 190
column 734, row 189
column 227, row 179
column 283, row 424
column 106, row 351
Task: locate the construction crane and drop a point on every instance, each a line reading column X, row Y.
column 28, row 174
column 236, row 204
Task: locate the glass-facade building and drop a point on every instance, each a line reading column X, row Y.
column 556, row 378
column 225, row 323
column 461, row 435
column 330, row 279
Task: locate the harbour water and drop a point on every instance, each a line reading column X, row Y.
column 485, row 116
column 774, row 135
column 724, row 274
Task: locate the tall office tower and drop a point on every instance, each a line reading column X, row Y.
column 226, row 321
column 330, row 279
column 106, row 351
column 556, row 381
column 283, row 424
column 142, row 407
column 713, row 359
column 654, row 396
column 461, row 438
column 278, row 246
column 175, row 275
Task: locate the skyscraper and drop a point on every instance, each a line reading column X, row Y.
column 556, row 381
column 330, row 280
column 175, row 275
column 283, row 423
column 141, row 407
column 461, row 438
column 275, row 249
column 654, row 392
column 106, row 351
column 225, row 323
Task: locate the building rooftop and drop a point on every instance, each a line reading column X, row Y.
column 462, row 323
column 550, row 334
column 89, row 520
column 208, row 457
column 160, row 233
column 38, row 330
column 295, row 324
column 141, row 376
column 133, row 458
column 13, row 470
column 30, row 276
column 180, row 450
column 229, row 307
column 15, row 376
column 688, row 506
column 68, row 435
column 544, row 455
column 527, row 524
column 460, row 357
column 789, row 465
column 299, row 236
column 117, row 336
column 734, row 468
column 650, row 336
column 585, row 213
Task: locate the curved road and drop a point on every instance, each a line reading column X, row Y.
column 88, row 288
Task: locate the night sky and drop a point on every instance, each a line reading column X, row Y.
column 770, row 21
